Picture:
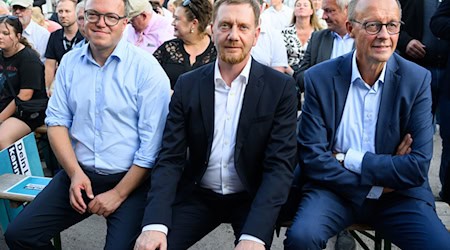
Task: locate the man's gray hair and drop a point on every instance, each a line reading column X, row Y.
column 342, row 4
column 352, row 6
column 80, row 6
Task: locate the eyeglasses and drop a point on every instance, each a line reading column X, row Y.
column 189, row 5
column 373, row 28
column 111, row 19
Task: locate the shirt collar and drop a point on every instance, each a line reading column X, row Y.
column 29, row 29
column 357, row 75
column 244, row 75
column 345, row 37
column 118, row 52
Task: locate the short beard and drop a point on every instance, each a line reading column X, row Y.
column 232, row 59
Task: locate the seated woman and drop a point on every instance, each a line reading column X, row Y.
column 193, row 46
column 23, row 72
column 296, row 36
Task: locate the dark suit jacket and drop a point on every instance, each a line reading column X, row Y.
column 405, row 108
column 265, row 151
column 412, row 16
column 440, row 26
column 319, row 49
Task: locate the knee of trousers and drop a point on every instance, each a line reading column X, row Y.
column 304, row 238
column 17, row 238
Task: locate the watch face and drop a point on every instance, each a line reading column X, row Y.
column 340, row 157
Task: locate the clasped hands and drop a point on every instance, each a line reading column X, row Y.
column 102, row 204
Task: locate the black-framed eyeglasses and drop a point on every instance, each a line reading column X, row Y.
column 189, row 4
column 110, row 19
column 373, row 28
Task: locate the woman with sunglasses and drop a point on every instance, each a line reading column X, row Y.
column 193, row 46
column 20, row 71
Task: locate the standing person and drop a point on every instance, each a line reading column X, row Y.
column 237, row 119
column 440, row 26
column 105, row 122
column 33, row 32
column 278, row 15
column 62, row 40
column 365, row 140
column 418, row 44
column 147, row 29
column 193, row 47
column 22, row 71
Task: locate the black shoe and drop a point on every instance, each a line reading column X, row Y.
column 345, row 241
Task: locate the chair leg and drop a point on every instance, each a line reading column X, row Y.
column 57, row 242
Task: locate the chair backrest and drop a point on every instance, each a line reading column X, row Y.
column 22, row 157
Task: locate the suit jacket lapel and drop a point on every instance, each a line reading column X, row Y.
column 388, row 99
column 341, row 83
column 326, row 47
column 206, row 94
column 251, row 98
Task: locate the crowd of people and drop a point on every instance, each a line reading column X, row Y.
column 172, row 117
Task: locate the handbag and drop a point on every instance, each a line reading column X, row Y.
column 27, row 109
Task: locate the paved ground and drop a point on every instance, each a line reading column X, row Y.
column 90, row 233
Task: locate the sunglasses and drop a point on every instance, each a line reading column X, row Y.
column 188, row 4
column 13, row 21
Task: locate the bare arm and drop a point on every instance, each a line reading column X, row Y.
column 50, row 70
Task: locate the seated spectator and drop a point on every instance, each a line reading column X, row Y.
column 36, row 35
column 24, row 74
column 147, row 29
column 39, row 18
column 193, row 46
column 296, row 36
column 365, row 140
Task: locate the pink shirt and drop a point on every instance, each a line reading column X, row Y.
column 158, row 30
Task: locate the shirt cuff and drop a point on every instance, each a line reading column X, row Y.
column 251, row 238
column 375, row 193
column 156, row 227
column 353, row 160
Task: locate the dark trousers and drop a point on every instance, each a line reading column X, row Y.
column 51, row 212
column 444, row 173
column 202, row 212
column 408, row 223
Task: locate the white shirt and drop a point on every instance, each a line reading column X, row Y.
column 356, row 132
column 341, row 45
column 220, row 175
column 269, row 49
column 38, row 37
column 278, row 19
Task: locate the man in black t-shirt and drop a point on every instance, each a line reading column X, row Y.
column 62, row 40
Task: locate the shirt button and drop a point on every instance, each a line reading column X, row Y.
column 225, row 166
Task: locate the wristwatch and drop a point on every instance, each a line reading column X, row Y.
column 340, row 157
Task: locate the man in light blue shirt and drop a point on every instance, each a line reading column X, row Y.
column 105, row 122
